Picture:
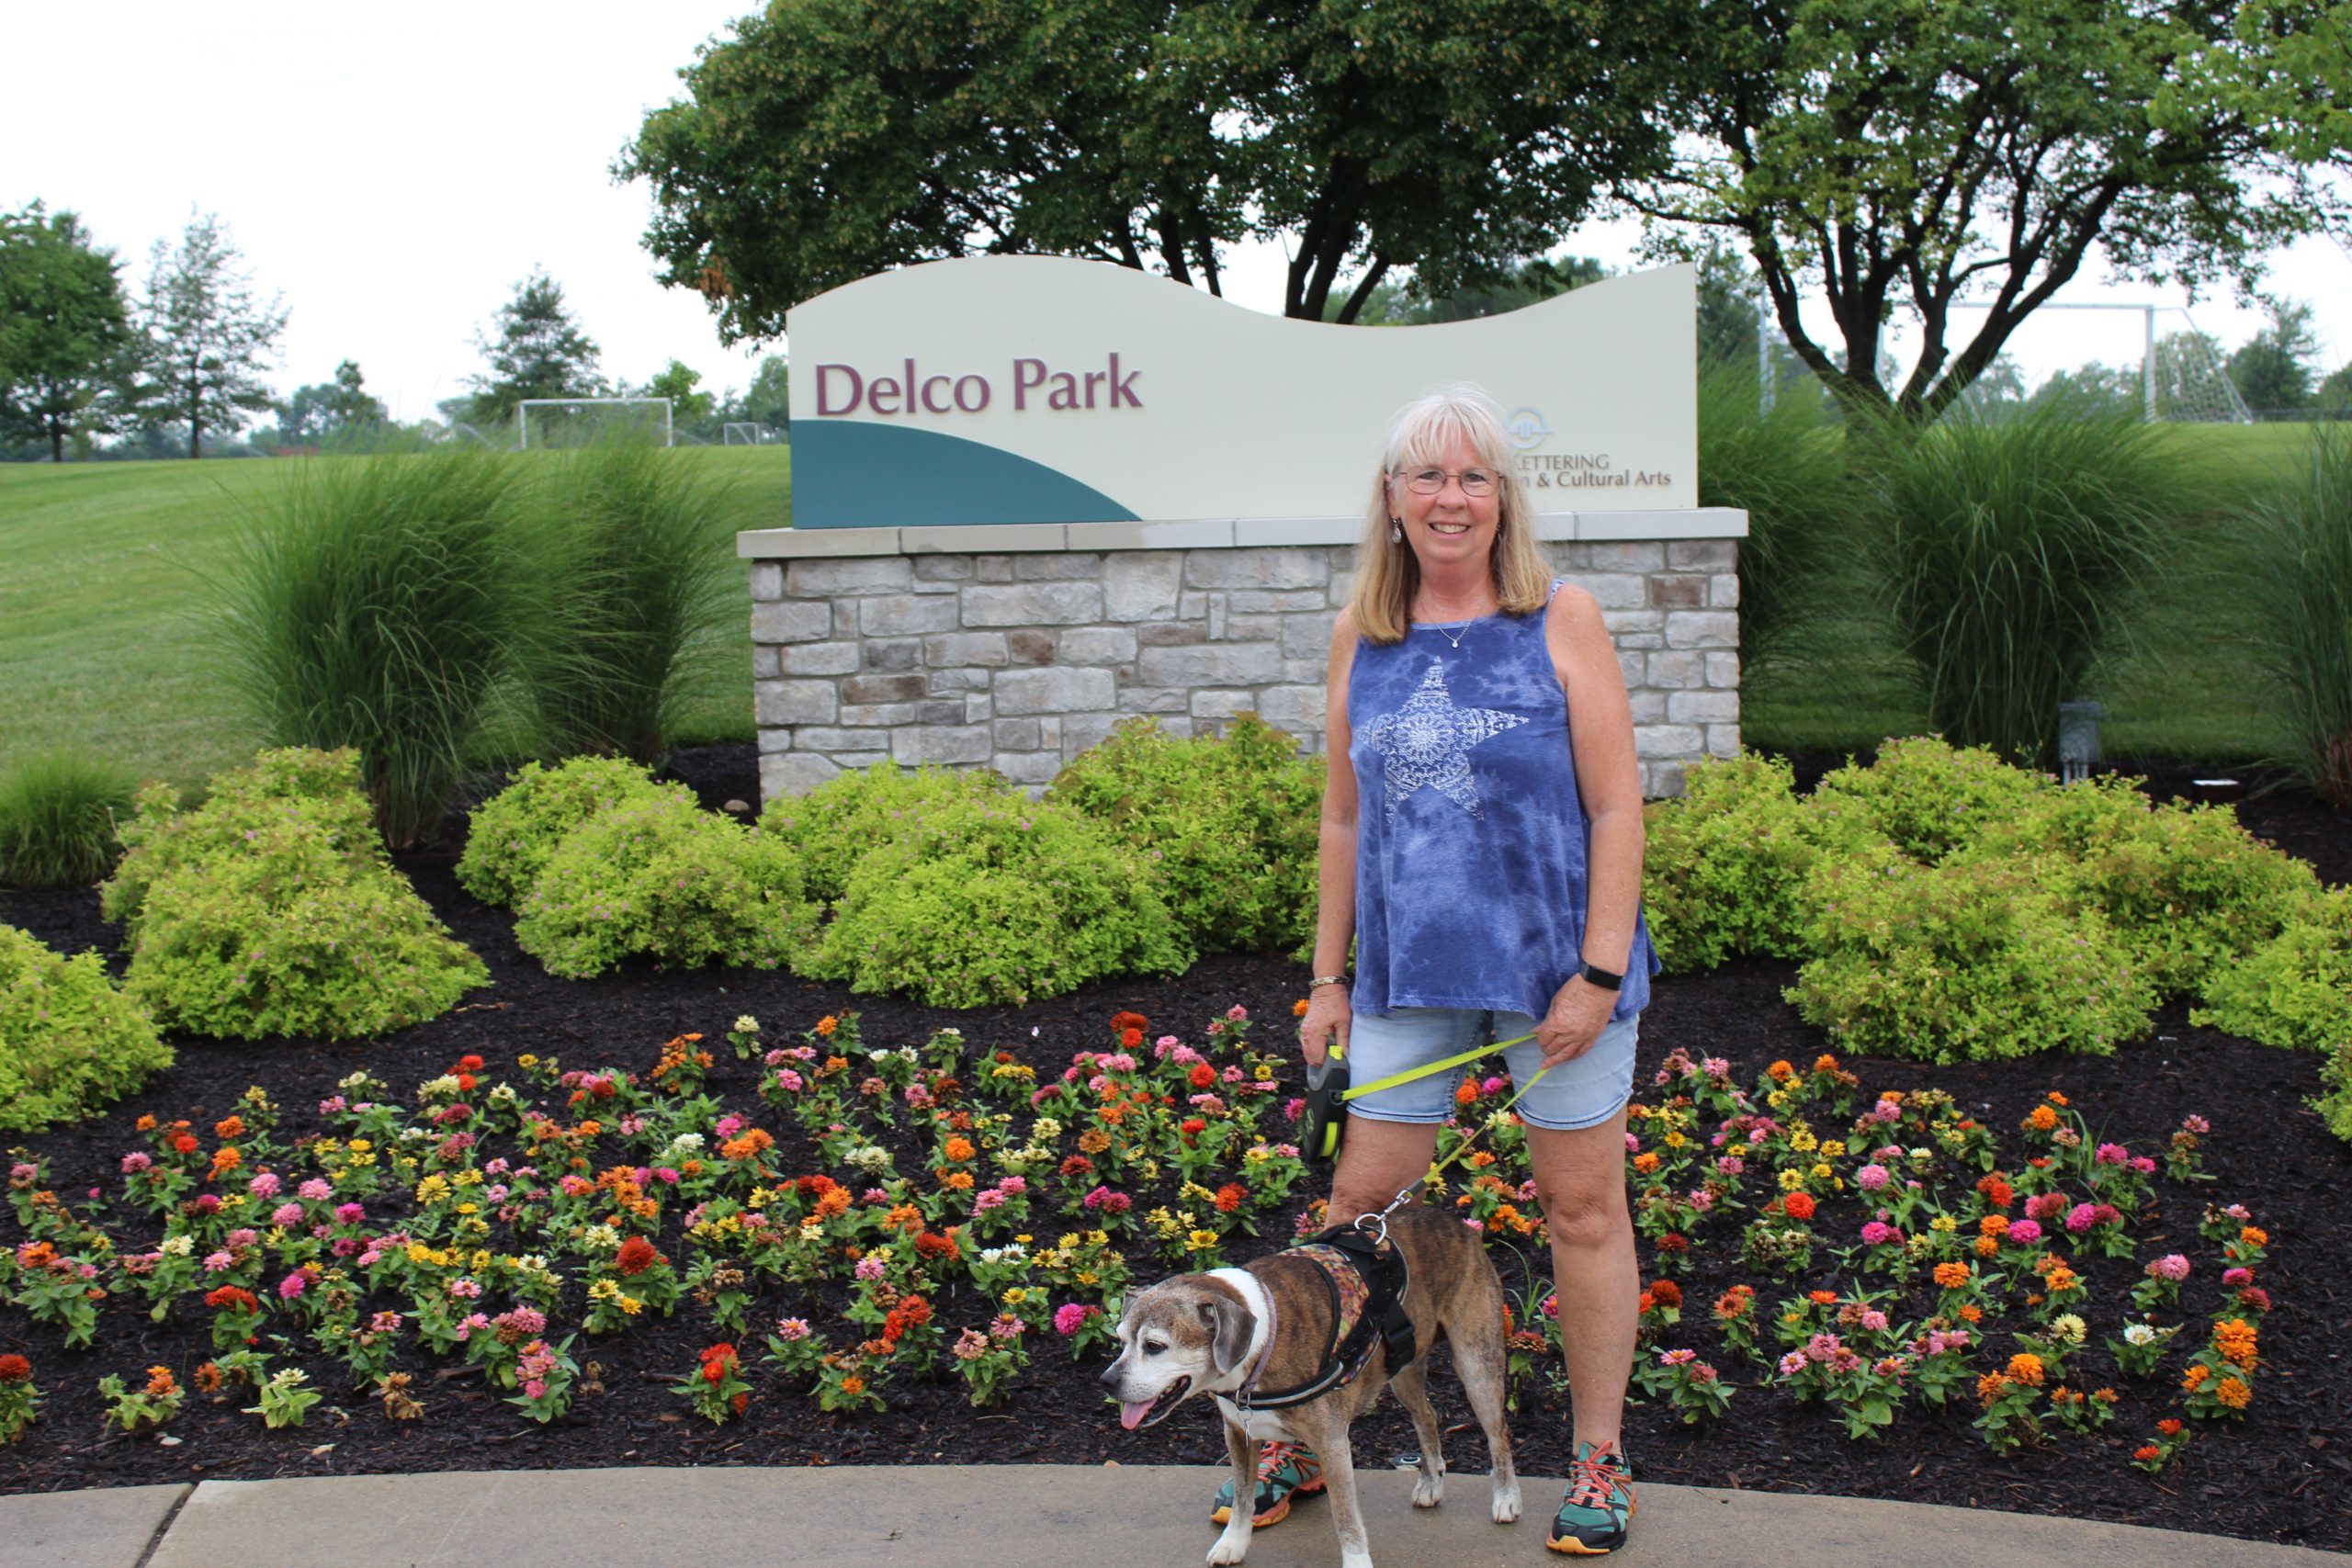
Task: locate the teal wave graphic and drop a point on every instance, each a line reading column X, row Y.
column 849, row 473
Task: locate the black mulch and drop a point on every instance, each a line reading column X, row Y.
column 2285, row 1474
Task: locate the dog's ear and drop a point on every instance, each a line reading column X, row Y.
column 1230, row 1325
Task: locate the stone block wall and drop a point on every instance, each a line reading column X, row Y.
column 1022, row 658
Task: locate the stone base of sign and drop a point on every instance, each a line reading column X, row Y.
column 1019, row 647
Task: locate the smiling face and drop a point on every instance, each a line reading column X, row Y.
column 1182, row 1336
column 1449, row 527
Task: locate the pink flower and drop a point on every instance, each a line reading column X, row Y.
column 2142, row 1165
column 1494, row 1085
column 535, row 1388
column 1871, row 1177
column 1878, row 1233
column 136, row 1161
column 2112, row 1154
column 1014, row 1186
column 2192, row 1122
column 788, row 1081
column 2236, row 1278
column 292, row 1285
column 287, row 1214
column 2171, row 1266
column 264, row 1184
column 1633, row 1144
column 792, row 1328
column 870, row 1268
column 2024, row 1233
column 314, row 1192
column 2045, row 1205
column 1677, row 1358
column 349, row 1215
column 1551, row 1307
column 1071, row 1316
column 1237, row 1013
column 1874, row 1320
column 1792, row 1363
column 1730, row 1164
column 1294, row 1108
column 2081, row 1218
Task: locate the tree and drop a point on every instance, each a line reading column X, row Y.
column 2336, row 392
column 2276, row 368
column 768, row 399
column 209, row 335
column 66, row 341
column 1883, row 151
column 1521, row 284
column 677, row 382
column 539, row 352
column 320, row 412
column 828, row 139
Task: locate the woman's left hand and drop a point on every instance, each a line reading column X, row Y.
column 1577, row 1015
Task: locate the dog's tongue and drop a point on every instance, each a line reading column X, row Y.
column 1133, row 1411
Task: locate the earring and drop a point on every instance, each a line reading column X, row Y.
column 1395, row 530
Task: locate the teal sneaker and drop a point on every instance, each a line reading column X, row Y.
column 1593, row 1516
column 1285, row 1470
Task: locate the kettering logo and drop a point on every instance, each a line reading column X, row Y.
column 1526, row 428
column 844, row 389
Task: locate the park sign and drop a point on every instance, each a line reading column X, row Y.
column 1006, row 390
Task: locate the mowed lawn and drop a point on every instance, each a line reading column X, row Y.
column 102, row 591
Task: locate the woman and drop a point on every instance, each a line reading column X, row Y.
column 1482, row 845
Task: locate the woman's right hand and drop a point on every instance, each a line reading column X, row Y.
column 1326, row 1023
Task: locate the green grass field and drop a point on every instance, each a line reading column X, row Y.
column 103, row 567
column 101, row 577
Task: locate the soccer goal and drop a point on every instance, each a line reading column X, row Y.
column 749, row 433
column 583, row 422
column 2178, row 373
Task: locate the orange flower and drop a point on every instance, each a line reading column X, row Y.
column 2170, row 1426
column 2234, row 1392
column 1993, row 1224
column 1798, row 1206
column 1972, row 1314
column 2235, row 1340
column 1780, row 1072
column 960, row 1149
column 1467, row 1093
column 2042, row 1119
column 2255, row 1236
column 225, row 1160
column 1229, row 1197
column 853, row 1385
column 229, row 1129
column 2147, row 1453
column 1990, row 1386
column 161, row 1384
column 1645, row 1162
column 957, row 1181
column 1823, row 1298
column 207, row 1378
column 1298, row 1008
column 827, row 1024
column 1952, row 1276
column 145, row 1123
column 2025, row 1367
column 2194, row 1379
column 1825, row 1063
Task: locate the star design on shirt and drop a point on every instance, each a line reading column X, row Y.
column 1427, row 743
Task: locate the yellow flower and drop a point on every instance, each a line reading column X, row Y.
column 1832, row 1148
column 631, row 1307
column 359, row 1145
column 1200, row 1241
column 1790, row 1180
column 1822, row 1172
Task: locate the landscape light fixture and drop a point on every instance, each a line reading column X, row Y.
column 2077, row 740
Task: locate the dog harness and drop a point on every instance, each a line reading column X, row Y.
column 1366, row 1283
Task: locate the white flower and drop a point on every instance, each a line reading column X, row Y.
column 179, row 1246
column 2138, row 1334
column 1046, row 1131
column 747, row 1024
column 2069, row 1327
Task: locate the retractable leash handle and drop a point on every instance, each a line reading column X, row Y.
column 1324, row 1126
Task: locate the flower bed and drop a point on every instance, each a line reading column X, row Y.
column 2266, row 1151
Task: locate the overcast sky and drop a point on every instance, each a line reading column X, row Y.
column 394, row 172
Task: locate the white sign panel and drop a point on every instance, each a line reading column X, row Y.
column 1045, row 390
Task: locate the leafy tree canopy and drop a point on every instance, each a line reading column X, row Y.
column 2276, row 367
column 677, row 382
column 209, row 336
column 828, row 139
column 1891, row 152
column 66, row 341
column 330, row 409
column 768, row 399
column 540, row 351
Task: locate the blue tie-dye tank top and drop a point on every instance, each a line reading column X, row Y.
column 1472, row 841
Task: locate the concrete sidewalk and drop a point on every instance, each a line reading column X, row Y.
column 984, row 1516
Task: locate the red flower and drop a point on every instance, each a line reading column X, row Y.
column 2169, row 1425
column 1125, row 1024
column 232, row 1296
column 1229, row 1197
column 1203, row 1075
column 1798, row 1205
column 1077, row 1165
column 1191, row 1126
column 637, row 1255
column 1667, row 1293
column 470, row 1064
column 1131, row 1038
column 14, row 1368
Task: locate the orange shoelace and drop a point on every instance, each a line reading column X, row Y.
column 1594, row 1483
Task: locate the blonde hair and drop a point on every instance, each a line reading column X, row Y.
column 1380, row 600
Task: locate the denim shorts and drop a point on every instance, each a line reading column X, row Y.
column 1583, row 1092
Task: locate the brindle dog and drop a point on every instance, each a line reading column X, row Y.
column 1206, row 1334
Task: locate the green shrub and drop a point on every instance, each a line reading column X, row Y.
column 649, row 586
column 2294, row 989
column 384, row 603
column 832, row 826
column 660, row 877
column 2009, row 555
column 997, row 900
column 58, row 816
column 2186, row 888
column 318, row 789
column 1726, row 865
column 1231, row 827
column 1930, row 797
column 1966, row 961
column 272, row 909
column 70, row 1043
column 2296, row 578
column 514, row 831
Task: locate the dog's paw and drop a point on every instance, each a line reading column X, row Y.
column 1507, row 1503
column 1429, row 1491
column 1230, row 1549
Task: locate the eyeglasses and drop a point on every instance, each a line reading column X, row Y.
column 1476, row 483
